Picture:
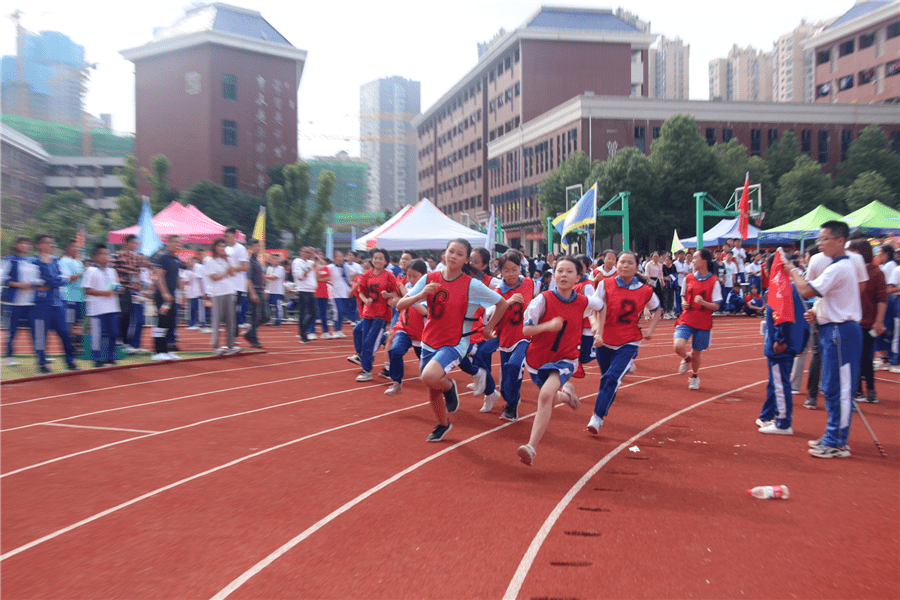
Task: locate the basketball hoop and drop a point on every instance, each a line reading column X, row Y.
column 758, row 218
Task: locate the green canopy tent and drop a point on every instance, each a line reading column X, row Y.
column 800, row 228
column 875, row 219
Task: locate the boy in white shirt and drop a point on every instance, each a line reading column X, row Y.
column 275, row 286
column 102, row 288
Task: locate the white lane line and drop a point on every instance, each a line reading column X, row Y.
column 525, row 565
column 94, row 427
column 155, row 492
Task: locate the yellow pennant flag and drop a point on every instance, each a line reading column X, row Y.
column 259, row 230
column 676, row 243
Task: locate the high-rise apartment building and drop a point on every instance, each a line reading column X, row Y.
column 744, row 75
column 669, row 69
column 216, row 93
column 387, row 108
column 793, row 77
column 46, row 80
column 858, row 55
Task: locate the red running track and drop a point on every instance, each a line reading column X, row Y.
column 279, row 476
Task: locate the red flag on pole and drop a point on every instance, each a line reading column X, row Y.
column 781, row 295
column 744, row 220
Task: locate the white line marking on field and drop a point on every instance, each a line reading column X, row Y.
column 525, row 565
column 94, row 427
column 155, row 492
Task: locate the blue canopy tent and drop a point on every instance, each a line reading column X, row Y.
column 726, row 229
column 800, row 228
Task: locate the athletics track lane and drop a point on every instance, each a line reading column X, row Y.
column 479, row 494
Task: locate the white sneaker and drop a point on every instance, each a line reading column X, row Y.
column 489, row 402
column 206, row 330
column 10, row 362
column 632, row 368
column 222, row 350
column 683, row 366
column 694, row 383
column 50, row 359
column 479, row 382
column 338, row 334
column 771, row 428
column 192, row 328
column 160, row 356
column 395, row 390
column 233, row 350
column 526, row 454
column 244, row 326
column 173, row 356
column 595, row 424
column 760, row 423
column 310, row 336
column 470, row 386
column 325, row 336
column 364, row 376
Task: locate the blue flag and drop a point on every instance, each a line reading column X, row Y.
column 583, row 213
column 150, row 242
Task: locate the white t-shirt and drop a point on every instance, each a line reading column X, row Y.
column 819, row 262
column 682, row 268
column 28, row 273
column 353, row 269
column 888, row 268
column 838, row 290
column 740, row 257
column 894, row 279
column 304, row 272
column 731, row 269
column 237, row 254
column 101, row 280
column 218, row 266
column 753, row 269
column 193, row 287
column 275, row 286
column 340, row 286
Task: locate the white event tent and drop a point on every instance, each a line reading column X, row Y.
column 419, row 227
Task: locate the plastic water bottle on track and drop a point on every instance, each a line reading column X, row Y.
column 766, row 492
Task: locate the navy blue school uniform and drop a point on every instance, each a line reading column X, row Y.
column 779, row 403
column 49, row 312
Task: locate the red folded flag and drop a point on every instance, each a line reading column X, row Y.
column 781, row 295
column 744, row 220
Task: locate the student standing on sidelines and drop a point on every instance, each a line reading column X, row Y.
column 193, row 292
column 553, row 321
column 617, row 334
column 518, row 291
column 873, row 301
column 452, row 297
column 256, row 288
column 102, row 288
column 701, row 297
column 220, row 273
column 683, row 268
column 304, row 271
column 240, row 262
column 166, row 268
column 407, row 330
column 72, row 294
column 323, row 278
column 138, row 303
column 49, row 313
column 781, row 345
column 127, row 263
column 376, row 311
column 838, row 312
column 19, row 275
column 340, row 286
column 275, row 287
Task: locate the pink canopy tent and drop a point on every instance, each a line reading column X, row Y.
column 193, row 226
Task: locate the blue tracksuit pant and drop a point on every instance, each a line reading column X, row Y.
column 614, row 364
column 104, row 327
column 371, row 340
column 840, row 345
column 401, row 345
column 17, row 314
column 779, row 404
column 46, row 318
column 512, row 365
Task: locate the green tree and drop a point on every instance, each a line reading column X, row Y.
column 628, row 171
column 228, row 206
column 276, row 175
column 867, row 187
column 59, row 215
column 313, row 233
column 869, row 152
column 287, row 203
column 551, row 192
column 128, row 204
column 802, row 189
column 683, row 164
column 734, row 164
column 158, row 178
column 781, row 156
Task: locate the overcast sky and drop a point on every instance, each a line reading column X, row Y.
column 351, row 43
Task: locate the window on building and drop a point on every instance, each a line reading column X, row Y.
column 508, row 62
column 230, row 177
column 865, row 77
column 866, row 40
column 822, row 57
column 845, row 83
column 806, row 142
column 846, row 48
column 895, row 142
column 710, row 136
column 755, row 142
column 727, row 134
column 656, row 132
column 639, row 139
column 823, row 146
column 229, row 87
column 499, row 68
column 773, row 137
column 846, row 140
column 518, row 88
column 892, row 68
column 229, row 133
column 893, row 30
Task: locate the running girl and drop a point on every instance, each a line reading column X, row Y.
column 585, row 287
column 376, row 312
column 518, row 292
column 701, row 296
column 477, row 361
column 553, row 322
column 453, row 297
column 617, row 334
column 608, row 268
column 407, row 331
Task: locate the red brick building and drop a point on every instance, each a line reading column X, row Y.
column 216, row 93
column 858, row 55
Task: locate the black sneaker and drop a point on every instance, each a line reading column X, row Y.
column 439, row 432
column 44, row 370
column 111, row 363
column 72, row 367
column 870, row 397
column 385, row 373
column 810, row 404
column 451, row 398
column 355, row 359
column 173, row 348
column 510, row 413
